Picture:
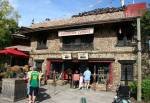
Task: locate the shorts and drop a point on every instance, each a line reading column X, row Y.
column 34, row 91
column 87, row 81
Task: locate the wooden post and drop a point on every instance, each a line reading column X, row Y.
column 63, row 67
column 48, row 71
column 139, row 60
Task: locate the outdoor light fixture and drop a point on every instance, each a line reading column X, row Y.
column 120, row 31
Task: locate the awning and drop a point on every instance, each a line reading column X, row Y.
column 14, row 52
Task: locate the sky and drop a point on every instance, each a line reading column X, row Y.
column 39, row 10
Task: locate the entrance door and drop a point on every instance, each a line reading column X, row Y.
column 101, row 71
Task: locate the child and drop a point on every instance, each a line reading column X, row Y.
column 81, row 81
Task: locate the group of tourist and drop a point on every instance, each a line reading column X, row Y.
column 33, row 78
column 81, row 80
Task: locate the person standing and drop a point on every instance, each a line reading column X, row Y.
column 76, row 78
column 69, row 72
column 81, row 81
column 27, row 78
column 34, row 81
column 87, row 78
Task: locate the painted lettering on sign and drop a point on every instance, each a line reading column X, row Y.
column 82, row 56
column 66, row 56
column 76, row 32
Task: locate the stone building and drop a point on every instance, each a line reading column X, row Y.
column 102, row 40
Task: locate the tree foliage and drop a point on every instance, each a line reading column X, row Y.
column 8, row 22
column 145, row 23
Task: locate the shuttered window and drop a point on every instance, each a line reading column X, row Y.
column 127, row 71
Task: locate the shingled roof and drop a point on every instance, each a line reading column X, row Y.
column 97, row 16
column 100, row 11
column 81, row 20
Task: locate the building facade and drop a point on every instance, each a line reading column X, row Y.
column 103, row 42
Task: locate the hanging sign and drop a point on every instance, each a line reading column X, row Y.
column 83, row 56
column 82, row 31
column 66, row 56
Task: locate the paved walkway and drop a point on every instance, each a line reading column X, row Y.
column 59, row 94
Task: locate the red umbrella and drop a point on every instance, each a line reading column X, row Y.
column 14, row 52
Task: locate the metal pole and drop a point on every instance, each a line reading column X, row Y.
column 139, row 60
column 133, row 2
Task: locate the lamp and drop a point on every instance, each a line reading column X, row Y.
column 120, row 31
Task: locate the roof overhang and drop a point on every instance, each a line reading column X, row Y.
column 28, row 30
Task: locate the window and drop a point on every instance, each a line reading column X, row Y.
column 126, row 72
column 42, row 41
column 125, row 35
column 82, row 42
column 103, row 73
column 126, row 69
column 39, row 64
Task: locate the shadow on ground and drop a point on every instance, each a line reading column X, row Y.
column 42, row 95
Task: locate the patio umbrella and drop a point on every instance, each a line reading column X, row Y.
column 14, row 52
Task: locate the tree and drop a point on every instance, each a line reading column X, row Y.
column 145, row 24
column 145, row 30
column 8, row 22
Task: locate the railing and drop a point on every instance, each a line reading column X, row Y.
column 78, row 46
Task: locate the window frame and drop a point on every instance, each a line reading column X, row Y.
column 41, row 41
column 79, row 42
column 128, row 73
column 126, row 36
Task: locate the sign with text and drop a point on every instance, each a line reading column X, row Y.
column 66, row 56
column 83, row 56
column 82, row 31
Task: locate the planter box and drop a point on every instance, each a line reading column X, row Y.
column 13, row 89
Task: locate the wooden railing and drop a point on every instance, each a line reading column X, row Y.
column 77, row 46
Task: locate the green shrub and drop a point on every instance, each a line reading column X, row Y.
column 133, row 88
column 8, row 74
column 145, row 89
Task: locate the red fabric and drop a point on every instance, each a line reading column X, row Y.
column 48, row 69
column 110, row 74
column 14, row 52
column 65, row 75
